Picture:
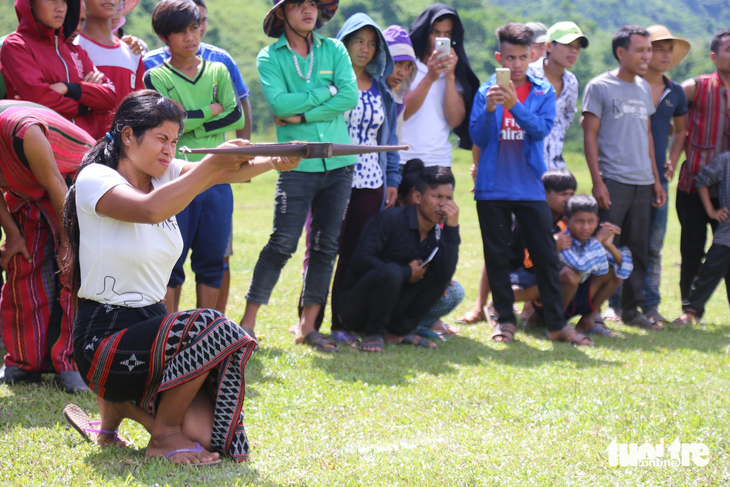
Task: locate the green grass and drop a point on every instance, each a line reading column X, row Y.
column 472, row 412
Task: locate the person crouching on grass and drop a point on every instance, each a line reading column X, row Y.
column 180, row 375
column 593, row 267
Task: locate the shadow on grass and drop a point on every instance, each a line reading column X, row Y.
column 130, row 466
column 398, row 363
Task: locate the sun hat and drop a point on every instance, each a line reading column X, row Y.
column 681, row 47
column 274, row 27
column 539, row 32
column 565, row 33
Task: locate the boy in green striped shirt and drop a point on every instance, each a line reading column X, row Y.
column 309, row 83
column 205, row 90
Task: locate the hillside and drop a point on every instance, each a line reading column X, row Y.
column 236, row 26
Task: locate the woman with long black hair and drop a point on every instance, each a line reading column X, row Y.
column 180, row 375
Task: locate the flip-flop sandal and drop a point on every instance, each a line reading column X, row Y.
column 600, row 330
column 680, row 323
column 657, row 319
column 444, row 329
column 504, row 330
column 429, row 333
column 372, row 341
column 411, row 340
column 641, row 321
column 79, row 420
column 569, row 335
column 346, row 338
column 197, row 449
column 319, row 341
column 471, row 318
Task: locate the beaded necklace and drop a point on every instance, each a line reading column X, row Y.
column 311, row 64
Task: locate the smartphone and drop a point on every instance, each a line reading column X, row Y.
column 443, row 44
column 503, row 76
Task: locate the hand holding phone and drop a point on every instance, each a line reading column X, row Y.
column 442, row 44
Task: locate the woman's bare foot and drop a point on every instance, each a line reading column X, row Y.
column 166, row 440
column 445, row 328
column 112, row 415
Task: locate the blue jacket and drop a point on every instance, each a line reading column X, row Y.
column 536, row 117
column 380, row 67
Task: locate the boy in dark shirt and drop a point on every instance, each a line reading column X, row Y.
column 402, row 265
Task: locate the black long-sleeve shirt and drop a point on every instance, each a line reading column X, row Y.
column 393, row 236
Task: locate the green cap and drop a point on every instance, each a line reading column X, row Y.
column 565, row 33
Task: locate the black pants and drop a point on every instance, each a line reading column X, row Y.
column 631, row 210
column 694, row 220
column 534, row 218
column 379, row 302
column 715, row 268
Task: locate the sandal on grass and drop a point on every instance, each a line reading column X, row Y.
column 319, row 341
column 600, row 330
column 687, row 319
column 569, row 335
column 643, row 322
column 472, row 317
column 80, row 421
column 504, row 332
column 197, row 449
column 372, row 341
column 422, row 342
column 345, row 337
column 424, row 332
column 444, row 328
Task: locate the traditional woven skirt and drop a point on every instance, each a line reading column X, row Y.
column 134, row 354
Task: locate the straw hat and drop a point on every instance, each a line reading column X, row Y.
column 274, row 27
column 681, row 47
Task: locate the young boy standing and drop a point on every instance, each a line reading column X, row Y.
column 309, row 84
column 564, row 42
column 717, row 262
column 508, row 124
column 113, row 57
column 205, row 90
column 593, row 266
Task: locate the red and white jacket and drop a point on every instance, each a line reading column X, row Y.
column 35, row 57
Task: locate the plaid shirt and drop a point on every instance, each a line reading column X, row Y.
column 591, row 258
column 718, row 173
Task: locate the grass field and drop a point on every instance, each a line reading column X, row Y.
column 473, row 412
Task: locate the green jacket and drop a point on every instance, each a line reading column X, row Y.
column 211, row 85
column 288, row 95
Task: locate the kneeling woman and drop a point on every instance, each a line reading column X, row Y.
column 181, row 375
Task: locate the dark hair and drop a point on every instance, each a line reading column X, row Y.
column 622, row 37
column 559, row 180
column 173, row 16
column 514, row 33
column 433, row 177
column 201, row 3
column 717, row 40
column 346, row 39
column 411, row 170
column 141, row 111
column 581, row 202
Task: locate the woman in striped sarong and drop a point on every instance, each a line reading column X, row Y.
column 180, row 375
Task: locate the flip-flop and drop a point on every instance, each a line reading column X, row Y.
column 410, row 339
column 79, row 420
column 372, row 341
column 569, row 335
column 601, row 331
column 429, row 333
column 643, row 322
column 345, row 337
column 197, row 449
column 319, row 341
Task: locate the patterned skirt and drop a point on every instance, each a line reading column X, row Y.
column 134, row 354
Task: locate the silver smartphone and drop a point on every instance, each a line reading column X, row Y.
column 503, row 76
column 443, row 44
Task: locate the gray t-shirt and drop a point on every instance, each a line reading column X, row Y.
column 623, row 139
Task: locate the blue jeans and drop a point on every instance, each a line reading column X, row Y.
column 657, row 231
column 327, row 194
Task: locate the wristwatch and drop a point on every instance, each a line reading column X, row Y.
column 333, row 89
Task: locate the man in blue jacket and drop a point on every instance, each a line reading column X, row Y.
column 509, row 123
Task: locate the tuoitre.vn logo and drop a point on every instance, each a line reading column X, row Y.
column 647, row 455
